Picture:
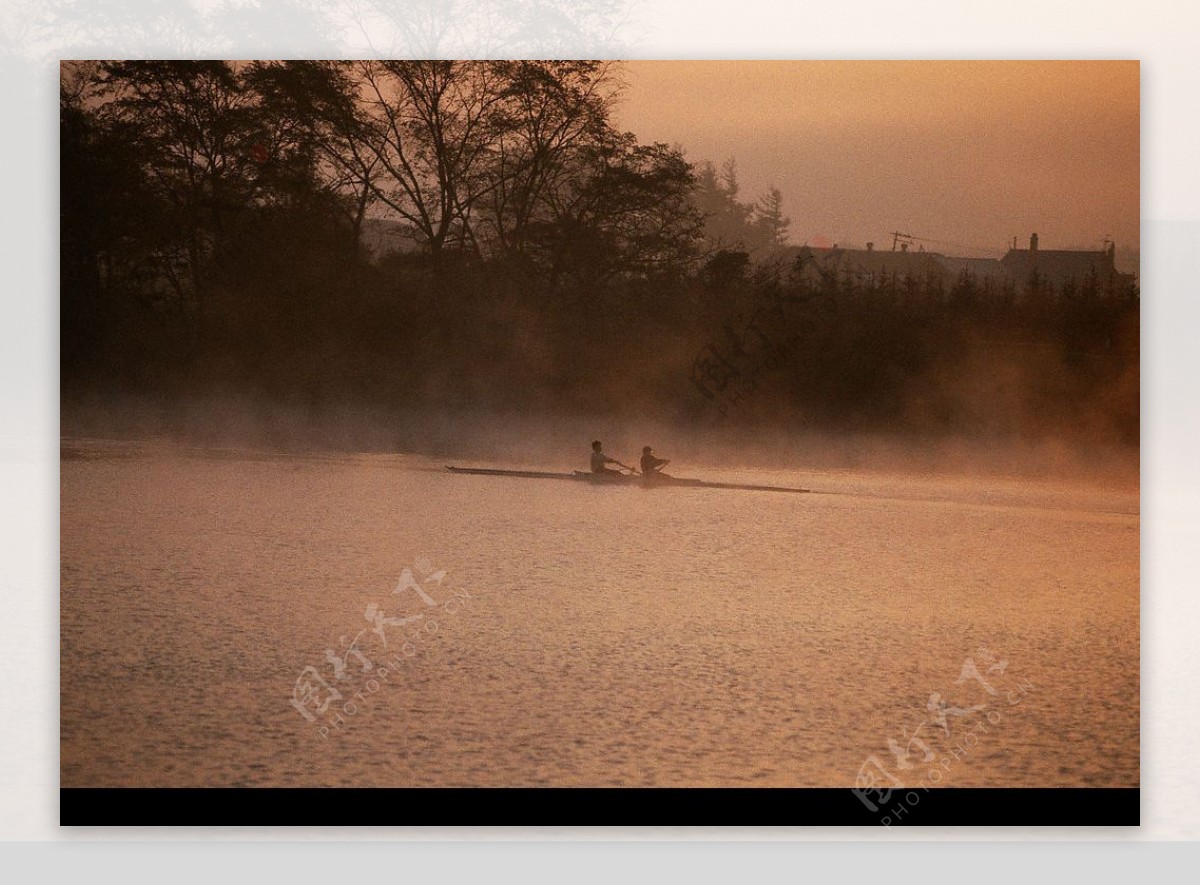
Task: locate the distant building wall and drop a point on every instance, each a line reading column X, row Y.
column 1060, row 267
column 1053, row 268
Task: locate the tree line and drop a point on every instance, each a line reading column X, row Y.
column 212, row 219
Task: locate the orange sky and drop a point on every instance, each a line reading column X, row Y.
column 965, row 152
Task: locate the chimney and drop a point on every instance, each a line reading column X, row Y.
column 904, row 247
column 870, row 247
column 1033, row 243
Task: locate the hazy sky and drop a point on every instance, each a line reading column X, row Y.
column 964, row 152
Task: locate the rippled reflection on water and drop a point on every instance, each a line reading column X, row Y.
column 612, row 635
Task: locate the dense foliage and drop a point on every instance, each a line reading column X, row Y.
column 212, row 224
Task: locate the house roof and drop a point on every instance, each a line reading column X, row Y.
column 1054, row 266
column 1057, row 265
column 976, row 267
column 873, row 261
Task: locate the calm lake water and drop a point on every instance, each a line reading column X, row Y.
column 587, row 635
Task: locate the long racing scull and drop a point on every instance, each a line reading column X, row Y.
column 659, row 480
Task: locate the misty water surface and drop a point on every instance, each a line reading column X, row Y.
column 612, row 636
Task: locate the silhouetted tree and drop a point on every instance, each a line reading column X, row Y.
column 314, row 105
column 731, row 224
column 726, row 220
column 625, row 210
column 431, row 126
column 769, row 220
column 725, row 269
column 549, row 115
column 192, row 124
column 210, row 223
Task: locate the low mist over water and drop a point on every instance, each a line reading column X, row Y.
column 605, row 636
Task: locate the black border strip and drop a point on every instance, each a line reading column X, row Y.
column 361, row 807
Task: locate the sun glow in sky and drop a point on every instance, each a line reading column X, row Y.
column 969, row 154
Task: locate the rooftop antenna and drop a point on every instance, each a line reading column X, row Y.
column 898, row 237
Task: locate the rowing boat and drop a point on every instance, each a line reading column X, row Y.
column 654, row 481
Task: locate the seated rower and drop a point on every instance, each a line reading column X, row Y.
column 599, row 460
column 652, row 466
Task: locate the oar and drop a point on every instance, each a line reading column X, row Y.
column 625, row 466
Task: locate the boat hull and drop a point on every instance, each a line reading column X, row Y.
column 656, row 481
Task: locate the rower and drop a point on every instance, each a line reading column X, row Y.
column 599, row 460
column 652, row 466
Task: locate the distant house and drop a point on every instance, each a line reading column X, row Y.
column 980, row 269
column 870, row 266
column 1061, row 267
